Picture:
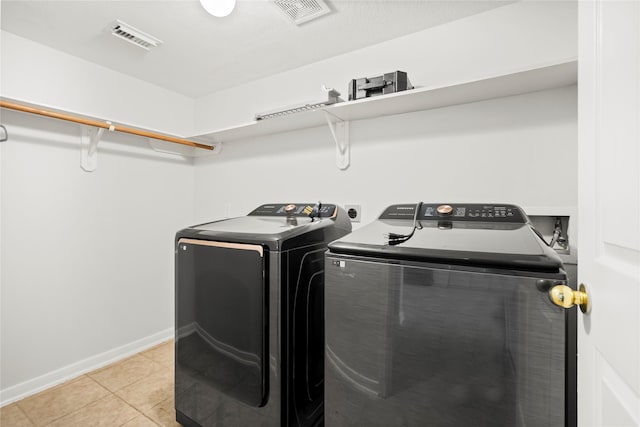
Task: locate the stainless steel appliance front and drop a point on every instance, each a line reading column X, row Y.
column 419, row 344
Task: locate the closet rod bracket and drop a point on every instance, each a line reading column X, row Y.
column 89, row 146
column 4, row 135
column 340, row 131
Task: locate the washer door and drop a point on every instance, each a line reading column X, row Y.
column 221, row 321
column 415, row 345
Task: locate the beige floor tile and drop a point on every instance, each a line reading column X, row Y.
column 61, row 400
column 108, row 411
column 13, row 416
column 164, row 413
column 128, row 371
column 149, row 391
column 140, row 421
column 163, row 353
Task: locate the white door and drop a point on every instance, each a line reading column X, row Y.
column 609, row 212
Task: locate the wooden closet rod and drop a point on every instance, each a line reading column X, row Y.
column 101, row 124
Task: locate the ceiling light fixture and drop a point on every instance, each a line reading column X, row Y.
column 219, row 8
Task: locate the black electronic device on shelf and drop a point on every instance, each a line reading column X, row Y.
column 365, row 87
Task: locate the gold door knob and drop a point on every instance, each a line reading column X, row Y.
column 564, row 296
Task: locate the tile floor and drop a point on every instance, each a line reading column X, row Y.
column 135, row 392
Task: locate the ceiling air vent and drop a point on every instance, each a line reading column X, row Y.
column 301, row 11
column 133, row 35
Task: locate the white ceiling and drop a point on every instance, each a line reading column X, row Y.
column 202, row 54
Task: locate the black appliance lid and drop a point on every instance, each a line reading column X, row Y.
column 269, row 224
column 467, row 234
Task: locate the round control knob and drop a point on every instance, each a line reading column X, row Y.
column 290, row 211
column 444, row 210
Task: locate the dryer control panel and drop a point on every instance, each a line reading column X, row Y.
column 481, row 212
column 295, row 209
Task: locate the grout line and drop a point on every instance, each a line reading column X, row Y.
column 145, row 416
column 75, row 370
column 68, row 413
column 129, row 405
column 156, row 369
column 26, row 415
column 109, row 394
column 82, row 407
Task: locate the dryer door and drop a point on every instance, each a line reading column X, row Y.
column 221, row 322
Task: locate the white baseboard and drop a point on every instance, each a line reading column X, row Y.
column 43, row 382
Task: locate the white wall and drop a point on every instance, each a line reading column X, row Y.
column 507, row 39
column 520, row 149
column 37, row 74
column 87, row 258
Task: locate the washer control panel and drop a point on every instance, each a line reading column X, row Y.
column 294, row 209
column 480, row 212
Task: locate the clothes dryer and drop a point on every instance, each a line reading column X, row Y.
column 249, row 317
column 440, row 315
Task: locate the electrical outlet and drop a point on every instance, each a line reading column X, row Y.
column 354, row 212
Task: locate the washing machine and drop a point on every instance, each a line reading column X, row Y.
column 249, row 347
column 441, row 315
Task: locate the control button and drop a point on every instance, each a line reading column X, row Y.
column 290, row 211
column 444, row 210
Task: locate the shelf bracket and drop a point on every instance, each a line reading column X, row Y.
column 340, row 131
column 4, row 135
column 89, row 147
